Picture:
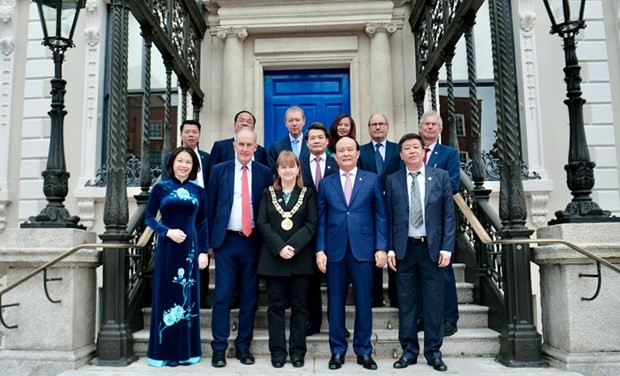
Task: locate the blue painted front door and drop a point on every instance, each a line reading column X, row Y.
column 323, row 95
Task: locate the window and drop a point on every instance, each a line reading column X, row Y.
column 155, row 131
column 459, row 123
column 463, row 156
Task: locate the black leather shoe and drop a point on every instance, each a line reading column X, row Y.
column 347, row 333
column 277, row 363
column 366, row 361
column 336, row 361
column 245, row 356
column 449, row 328
column 297, row 362
column 218, row 359
column 172, row 363
column 404, row 362
column 438, row 365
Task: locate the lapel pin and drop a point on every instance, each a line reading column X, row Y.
column 430, row 178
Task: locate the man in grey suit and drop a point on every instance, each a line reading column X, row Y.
column 421, row 238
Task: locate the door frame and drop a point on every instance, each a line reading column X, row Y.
column 309, row 59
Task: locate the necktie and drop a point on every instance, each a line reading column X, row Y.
column 415, row 206
column 317, row 172
column 348, row 187
column 295, row 144
column 246, row 214
column 378, row 159
column 426, row 151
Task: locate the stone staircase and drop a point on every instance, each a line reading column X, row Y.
column 473, row 339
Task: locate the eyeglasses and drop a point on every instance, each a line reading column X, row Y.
column 379, row 125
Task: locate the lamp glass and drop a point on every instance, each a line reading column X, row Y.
column 59, row 19
column 567, row 10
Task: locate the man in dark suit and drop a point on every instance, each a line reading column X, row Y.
column 224, row 150
column 351, row 241
column 190, row 137
column 235, row 189
column 422, row 232
column 314, row 168
column 294, row 119
column 445, row 158
column 381, row 157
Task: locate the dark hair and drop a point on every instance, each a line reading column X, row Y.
column 195, row 163
column 287, row 157
column 245, row 112
column 357, row 145
column 191, row 122
column 333, row 131
column 407, row 137
column 317, row 125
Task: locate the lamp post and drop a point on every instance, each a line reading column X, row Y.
column 566, row 20
column 58, row 20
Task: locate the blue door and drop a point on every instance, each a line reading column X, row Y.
column 323, row 95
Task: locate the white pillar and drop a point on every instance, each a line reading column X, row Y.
column 232, row 72
column 7, row 47
column 381, row 95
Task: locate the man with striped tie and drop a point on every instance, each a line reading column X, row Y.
column 421, row 238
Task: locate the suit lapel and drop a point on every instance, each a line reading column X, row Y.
column 429, row 181
column 402, row 180
column 337, row 187
column 370, row 157
column 256, row 184
column 357, row 185
column 435, row 155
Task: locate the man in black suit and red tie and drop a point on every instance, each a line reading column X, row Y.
column 422, row 231
column 314, row 167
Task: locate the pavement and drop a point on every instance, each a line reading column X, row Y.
column 318, row 366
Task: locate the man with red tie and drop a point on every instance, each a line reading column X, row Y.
column 234, row 191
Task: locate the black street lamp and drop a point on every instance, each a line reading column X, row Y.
column 566, row 20
column 58, row 20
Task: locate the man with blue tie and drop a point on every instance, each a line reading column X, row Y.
column 314, row 168
column 224, row 150
column 381, row 157
column 190, row 137
column 294, row 119
column 445, row 158
column 234, row 192
column 422, row 231
column 351, row 241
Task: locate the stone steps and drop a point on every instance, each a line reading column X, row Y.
column 471, row 316
column 467, row 342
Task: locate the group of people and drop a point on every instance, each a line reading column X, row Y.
column 316, row 206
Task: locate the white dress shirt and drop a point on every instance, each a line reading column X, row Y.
column 234, row 223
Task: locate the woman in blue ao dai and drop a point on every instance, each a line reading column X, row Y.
column 180, row 252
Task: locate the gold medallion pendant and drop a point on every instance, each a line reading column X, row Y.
column 286, row 224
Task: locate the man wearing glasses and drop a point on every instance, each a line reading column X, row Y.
column 381, row 157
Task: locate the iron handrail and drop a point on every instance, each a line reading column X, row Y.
column 486, row 239
column 142, row 242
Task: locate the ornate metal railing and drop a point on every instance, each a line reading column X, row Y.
column 134, row 173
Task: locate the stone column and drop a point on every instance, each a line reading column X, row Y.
column 580, row 335
column 50, row 337
column 232, row 72
column 381, row 95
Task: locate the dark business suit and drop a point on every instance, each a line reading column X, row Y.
column 204, row 160
column 287, row 277
column 391, row 164
column 349, row 235
column 418, row 261
column 284, row 144
column 315, row 304
column 235, row 254
column 204, row 273
column 447, row 158
column 224, row 150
